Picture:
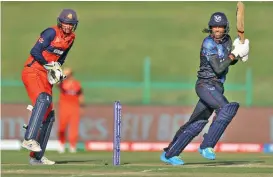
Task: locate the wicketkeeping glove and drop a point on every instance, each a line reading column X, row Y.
column 52, row 65
column 54, row 73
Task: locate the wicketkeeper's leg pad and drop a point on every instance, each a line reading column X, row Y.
column 43, row 101
column 45, row 134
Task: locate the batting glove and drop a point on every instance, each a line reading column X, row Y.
column 240, row 50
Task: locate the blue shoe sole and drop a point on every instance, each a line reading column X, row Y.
column 176, row 164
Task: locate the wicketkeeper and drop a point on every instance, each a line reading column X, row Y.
column 41, row 71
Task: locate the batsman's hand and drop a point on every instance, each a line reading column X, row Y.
column 240, row 50
column 54, row 73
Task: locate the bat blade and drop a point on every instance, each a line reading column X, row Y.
column 240, row 18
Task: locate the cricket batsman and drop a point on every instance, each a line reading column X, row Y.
column 216, row 55
column 41, row 71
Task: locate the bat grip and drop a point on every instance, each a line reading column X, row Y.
column 241, row 37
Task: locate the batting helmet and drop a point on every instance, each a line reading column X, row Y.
column 219, row 19
column 68, row 16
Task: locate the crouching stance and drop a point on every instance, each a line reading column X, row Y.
column 41, row 71
column 215, row 58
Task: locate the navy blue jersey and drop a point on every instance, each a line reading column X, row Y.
column 214, row 60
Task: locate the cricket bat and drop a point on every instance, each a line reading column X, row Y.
column 240, row 16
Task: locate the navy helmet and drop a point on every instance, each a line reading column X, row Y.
column 218, row 19
column 68, row 16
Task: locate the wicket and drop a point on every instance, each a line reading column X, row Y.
column 117, row 133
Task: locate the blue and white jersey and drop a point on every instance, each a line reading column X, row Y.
column 211, row 51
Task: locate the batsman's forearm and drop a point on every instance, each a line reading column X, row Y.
column 219, row 66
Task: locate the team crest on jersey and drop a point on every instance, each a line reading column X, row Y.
column 70, row 16
column 217, row 18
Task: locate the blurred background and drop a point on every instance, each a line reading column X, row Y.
column 145, row 54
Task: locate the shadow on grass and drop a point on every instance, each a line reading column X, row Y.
column 79, row 161
column 216, row 163
column 98, row 162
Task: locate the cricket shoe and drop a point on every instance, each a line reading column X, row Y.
column 176, row 161
column 163, row 157
column 31, row 145
column 173, row 160
column 43, row 161
column 207, row 153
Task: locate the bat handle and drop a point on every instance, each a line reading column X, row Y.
column 241, row 37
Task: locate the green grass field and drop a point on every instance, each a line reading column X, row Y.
column 15, row 164
column 113, row 38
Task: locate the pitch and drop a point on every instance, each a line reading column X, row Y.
column 84, row 164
